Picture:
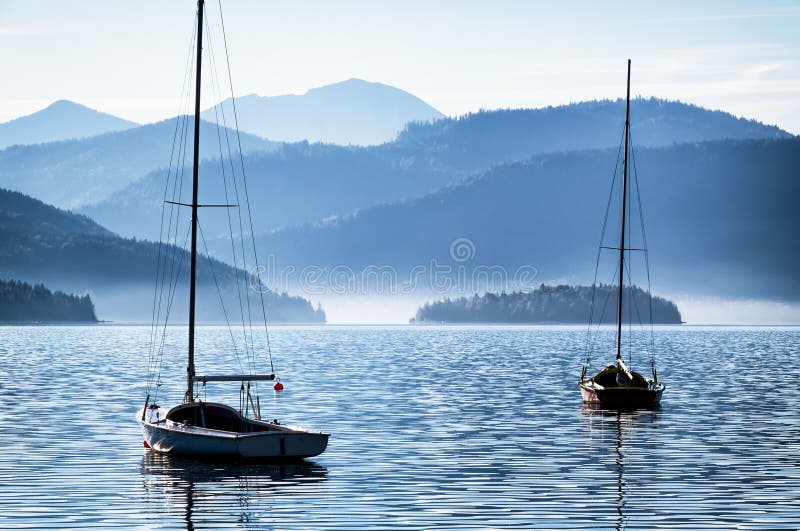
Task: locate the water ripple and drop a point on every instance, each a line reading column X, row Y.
column 432, row 428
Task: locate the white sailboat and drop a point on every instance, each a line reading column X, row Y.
column 208, row 429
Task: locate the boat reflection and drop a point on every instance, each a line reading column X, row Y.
column 623, row 425
column 222, row 494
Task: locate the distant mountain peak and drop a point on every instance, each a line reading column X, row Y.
column 61, row 120
column 352, row 111
column 66, row 103
column 353, row 83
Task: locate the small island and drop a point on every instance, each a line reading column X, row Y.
column 550, row 304
column 21, row 302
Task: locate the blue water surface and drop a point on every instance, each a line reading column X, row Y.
column 432, row 428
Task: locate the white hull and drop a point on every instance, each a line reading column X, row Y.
column 275, row 442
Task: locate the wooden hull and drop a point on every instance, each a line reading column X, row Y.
column 622, row 397
column 278, row 442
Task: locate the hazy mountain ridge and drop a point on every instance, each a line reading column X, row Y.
column 296, row 184
column 61, row 120
column 42, row 244
column 552, row 304
column 72, row 173
column 354, row 112
column 20, row 213
column 302, row 183
column 477, row 141
column 720, row 219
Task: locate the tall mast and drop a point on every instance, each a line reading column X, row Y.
column 190, row 373
column 624, row 208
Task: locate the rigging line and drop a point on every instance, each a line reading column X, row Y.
column 156, row 292
column 646, row 259
column 172, row 241
column 170, row 281
column 633, row 303
column 219, row 293
column 172, row 149
column 174, row 274
column 599, row 250
column 169, row 256
column 170, row 300
column 249, row 346
column 181, row 119
column 177, row 253
column 158, row 289
column 249, row 352
column 215, row 90
column 600, row 322
column 174, row 214
column 230, row 231
column 247, row 195
column 605, row 304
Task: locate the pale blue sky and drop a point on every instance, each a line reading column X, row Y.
column 127, row 58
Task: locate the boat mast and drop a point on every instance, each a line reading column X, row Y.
column 624, row 207
column 189, row 397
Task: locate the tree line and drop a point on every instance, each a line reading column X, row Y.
column 553, row 304
column 23, row 302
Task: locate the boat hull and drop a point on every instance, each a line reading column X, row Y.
column 622, row 397
column 279, row 442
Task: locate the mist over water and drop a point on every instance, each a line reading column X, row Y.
column 432, row 428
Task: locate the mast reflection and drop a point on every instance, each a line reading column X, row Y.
column 219, row 494
column 624, row 426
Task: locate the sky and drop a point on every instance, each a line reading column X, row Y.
column 128, row 58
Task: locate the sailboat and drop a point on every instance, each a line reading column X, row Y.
column 616, row 386
column 207, row 429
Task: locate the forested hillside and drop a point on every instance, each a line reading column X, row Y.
column 720, row 219
column 477, row 141
column 22, row 302
column 303, row 183
column 552, row 304
column 42, row 244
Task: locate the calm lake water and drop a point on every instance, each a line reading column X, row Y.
column 432, row 428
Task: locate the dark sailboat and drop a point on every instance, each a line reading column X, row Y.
column 616, row 386
column 207, row 429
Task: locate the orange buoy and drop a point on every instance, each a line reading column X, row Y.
column 278, row 386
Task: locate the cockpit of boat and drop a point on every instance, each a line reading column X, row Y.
column 215, row 417
column 608, row 378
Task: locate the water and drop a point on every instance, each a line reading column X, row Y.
column 432, row 428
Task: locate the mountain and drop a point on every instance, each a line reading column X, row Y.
column 303, row 183
column 42, row 244
column 21, row 302
column 551, row 304
column 297, row 183
column 61, row 120
column 349, row 112
column 477, row 141
column 72, row 173
column 721, row 220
